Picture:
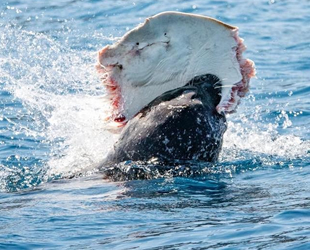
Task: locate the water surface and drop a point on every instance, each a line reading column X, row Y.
column 51, row 126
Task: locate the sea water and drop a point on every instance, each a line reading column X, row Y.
column 52, row 127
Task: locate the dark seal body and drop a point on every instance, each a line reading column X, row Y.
column 181, row 124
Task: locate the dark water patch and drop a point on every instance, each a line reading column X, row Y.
column 299, row 46
column 299, row 217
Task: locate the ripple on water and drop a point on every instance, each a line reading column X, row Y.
column 51, row 126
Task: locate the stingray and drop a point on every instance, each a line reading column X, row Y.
column 166, row 52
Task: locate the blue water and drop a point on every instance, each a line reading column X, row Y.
column 51, row 126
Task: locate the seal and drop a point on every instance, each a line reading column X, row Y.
column 180, row 124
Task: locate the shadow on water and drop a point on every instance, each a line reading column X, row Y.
column 191, row 187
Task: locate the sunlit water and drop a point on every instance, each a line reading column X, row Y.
column 52, row 126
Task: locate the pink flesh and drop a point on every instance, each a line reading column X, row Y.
column 241, row 88
column 114, row 93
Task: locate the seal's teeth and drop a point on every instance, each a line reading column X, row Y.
column 115, row 122
column 120, row 119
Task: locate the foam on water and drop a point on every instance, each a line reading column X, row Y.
column 60, row 90
column 61, row 98
column 263, row 138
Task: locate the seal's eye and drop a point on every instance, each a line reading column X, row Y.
column 137, row 44
column 165, row 34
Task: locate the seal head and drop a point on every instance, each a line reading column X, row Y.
column 181, row 124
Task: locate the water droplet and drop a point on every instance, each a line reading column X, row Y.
column 194, row 6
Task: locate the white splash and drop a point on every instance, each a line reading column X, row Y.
column 60, row 89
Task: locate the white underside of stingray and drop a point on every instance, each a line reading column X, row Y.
column 166, row 52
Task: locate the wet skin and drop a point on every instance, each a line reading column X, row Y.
column 181, row 124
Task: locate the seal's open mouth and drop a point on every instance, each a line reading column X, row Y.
column 167, row 51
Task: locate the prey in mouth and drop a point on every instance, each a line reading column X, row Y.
column 170, row 81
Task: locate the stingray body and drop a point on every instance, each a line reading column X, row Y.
column 166, row 52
